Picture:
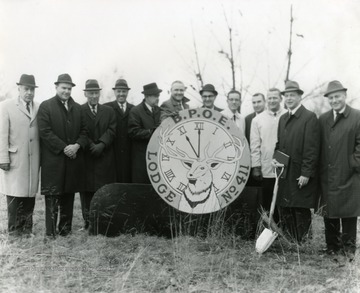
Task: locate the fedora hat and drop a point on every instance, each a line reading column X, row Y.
column 64, row 78
column 292, row 86
column 334, row 86
column 121, row 84
column 151, row 89
column 28, row 80
column 208, row 88
column 92, row 85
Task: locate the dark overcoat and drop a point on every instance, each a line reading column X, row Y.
column 248, row 120
column 100, row 170
column 299, row 137
column 122, row 143
column 340, row 164
column 58, row 128
column 142, row 123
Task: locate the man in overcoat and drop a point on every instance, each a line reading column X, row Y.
column 122, row 141
column 20, row 156
column 177, row 101
column 99, row 154
column 340, row 171
column 143, row 120
column 63, row 138
column 299, row 138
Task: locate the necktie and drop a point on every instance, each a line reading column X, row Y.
column 122, row 108
column 93, row 109
column 338, row 117
column 28, row 106
column 65, row 105
column 274, row 114
column 234, row 118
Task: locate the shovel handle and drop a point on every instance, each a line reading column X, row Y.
column 276, row 187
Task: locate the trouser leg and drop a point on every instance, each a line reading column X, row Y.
column 51, row 214
column 13, row 209
column 287, row 222
column 85, row 198
column 66, row 205
column 348, row 237
column 302, row 222
column 332, row 233
column 27, row 215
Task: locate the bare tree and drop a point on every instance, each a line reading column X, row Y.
column 290, row 43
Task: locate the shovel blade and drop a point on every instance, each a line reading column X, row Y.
column 265, row 240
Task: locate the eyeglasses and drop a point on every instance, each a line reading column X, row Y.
column 234, row 100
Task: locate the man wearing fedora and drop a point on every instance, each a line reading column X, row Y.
column 63, row 138
column 99, row 154
column 177, row 101
column 340, row 172
column 20, row 156
column 122, row 142
column 298, row 137
column 143, row 120
column 208, row 96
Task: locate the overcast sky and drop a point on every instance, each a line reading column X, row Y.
column 152, row 41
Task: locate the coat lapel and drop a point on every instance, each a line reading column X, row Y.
column 22, row 108
column 98, row 113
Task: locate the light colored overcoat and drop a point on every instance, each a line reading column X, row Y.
column 19, row 146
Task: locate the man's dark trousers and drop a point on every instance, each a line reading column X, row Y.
column 20, row 212
column 345, row 240
column 63, row 203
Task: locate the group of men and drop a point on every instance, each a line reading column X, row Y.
column 84, row 147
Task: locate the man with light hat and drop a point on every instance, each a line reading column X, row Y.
column 20, row 156
column 63, row 138
column 340, row 172
column 299, row 138
column 99, row 154
column 143, row 120
column 122, row 142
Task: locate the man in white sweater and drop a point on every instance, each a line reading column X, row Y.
column 263, row 137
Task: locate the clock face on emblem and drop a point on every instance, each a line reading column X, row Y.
column 199, row 161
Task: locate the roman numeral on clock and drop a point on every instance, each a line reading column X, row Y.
column 182, row 130
column 171, row 141
column 181, row 187
column 226, row 176
column 169, row 175
column 165, row 157
column 199, row 125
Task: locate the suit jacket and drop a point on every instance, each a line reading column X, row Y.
column 171, row 107
column 248, row 120
column 122, row 143
column 19, row 146
column 299, row 137
column 58, row 128
column 100, row 170
column 142, row 123
column 340, row 164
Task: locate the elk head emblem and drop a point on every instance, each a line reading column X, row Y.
column 200, row 193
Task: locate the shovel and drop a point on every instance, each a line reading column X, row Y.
column 268, row 235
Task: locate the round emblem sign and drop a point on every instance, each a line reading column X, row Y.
column 198, row 161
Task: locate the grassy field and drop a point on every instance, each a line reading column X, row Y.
column 140, row 263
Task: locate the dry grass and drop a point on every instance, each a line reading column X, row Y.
column 225, row 263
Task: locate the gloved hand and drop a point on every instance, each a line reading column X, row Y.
column 256, row 173
column 5, row 166
column 97, row 149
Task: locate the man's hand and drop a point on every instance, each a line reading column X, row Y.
column 5, row 167
column 71, row 150
column 302, row 181
column 97, row 149
column 256, row 173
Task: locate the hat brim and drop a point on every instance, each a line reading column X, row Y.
column 92, row 89
column 292, row 90
column 121, row 87
column 151, row 92
column 57, row 82
column 27, row 84
column 334, row 91
column 215, row 92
